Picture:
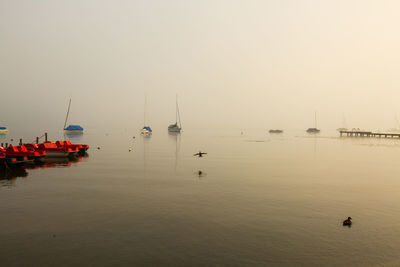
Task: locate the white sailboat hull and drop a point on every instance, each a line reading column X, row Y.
column 174, row 130
column 177, row 126
column 145, row 132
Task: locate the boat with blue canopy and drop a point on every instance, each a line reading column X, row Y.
column 3, row 129
column 71, row 128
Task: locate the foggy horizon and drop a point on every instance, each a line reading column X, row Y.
column 244, row 178
column 264, row 64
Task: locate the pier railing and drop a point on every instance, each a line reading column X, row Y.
column 368, row 134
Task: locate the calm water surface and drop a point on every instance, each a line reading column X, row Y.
column 261, row 200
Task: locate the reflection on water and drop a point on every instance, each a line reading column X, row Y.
column 176, row 139
column 200, row 174
column 57, row 162
column 278, row 202
column 73, row 136
column 3, row 136
column 8, row 174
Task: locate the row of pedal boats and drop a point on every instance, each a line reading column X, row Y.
column 33, row 152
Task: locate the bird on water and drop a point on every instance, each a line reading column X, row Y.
column 200, row 154
column 347, row 222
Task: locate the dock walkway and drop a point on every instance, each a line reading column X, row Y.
column 368, row 134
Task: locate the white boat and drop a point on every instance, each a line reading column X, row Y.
column 146, row 130
column 71, row 129
column 315, row 129
column 177, row 126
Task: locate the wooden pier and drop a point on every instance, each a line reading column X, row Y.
column 369, row 134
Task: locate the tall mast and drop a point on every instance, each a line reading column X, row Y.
column 66, row 118
column 177, row 112
column 145, row 107
column 315, row 119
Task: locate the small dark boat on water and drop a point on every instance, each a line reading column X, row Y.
column 275, row 131
column 315, row 129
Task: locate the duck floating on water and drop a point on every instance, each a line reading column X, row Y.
column 347, row 222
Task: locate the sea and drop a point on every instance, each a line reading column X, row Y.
column 255, row 199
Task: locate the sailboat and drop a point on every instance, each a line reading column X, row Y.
column 146, row 130
column 71, row 128
column 176, row 128
column 314, row 130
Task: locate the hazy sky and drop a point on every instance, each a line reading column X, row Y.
column 233, row 63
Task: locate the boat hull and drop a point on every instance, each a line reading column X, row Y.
column 145, row 133
column 3, row 131
column 75, row 132
column 313, row 130
column 174, row 130
column 276, row 131
column 60, row 154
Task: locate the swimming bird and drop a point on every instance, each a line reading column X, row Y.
column 200, row 154
column 347, row 222
column 98, row 147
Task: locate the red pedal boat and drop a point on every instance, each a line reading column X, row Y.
column 11, row 158
column 21, row 152
column 52, row 150
column 82, row 148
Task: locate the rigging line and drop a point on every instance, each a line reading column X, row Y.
column 66, row 118
column 179, row 115
column 145, row 109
